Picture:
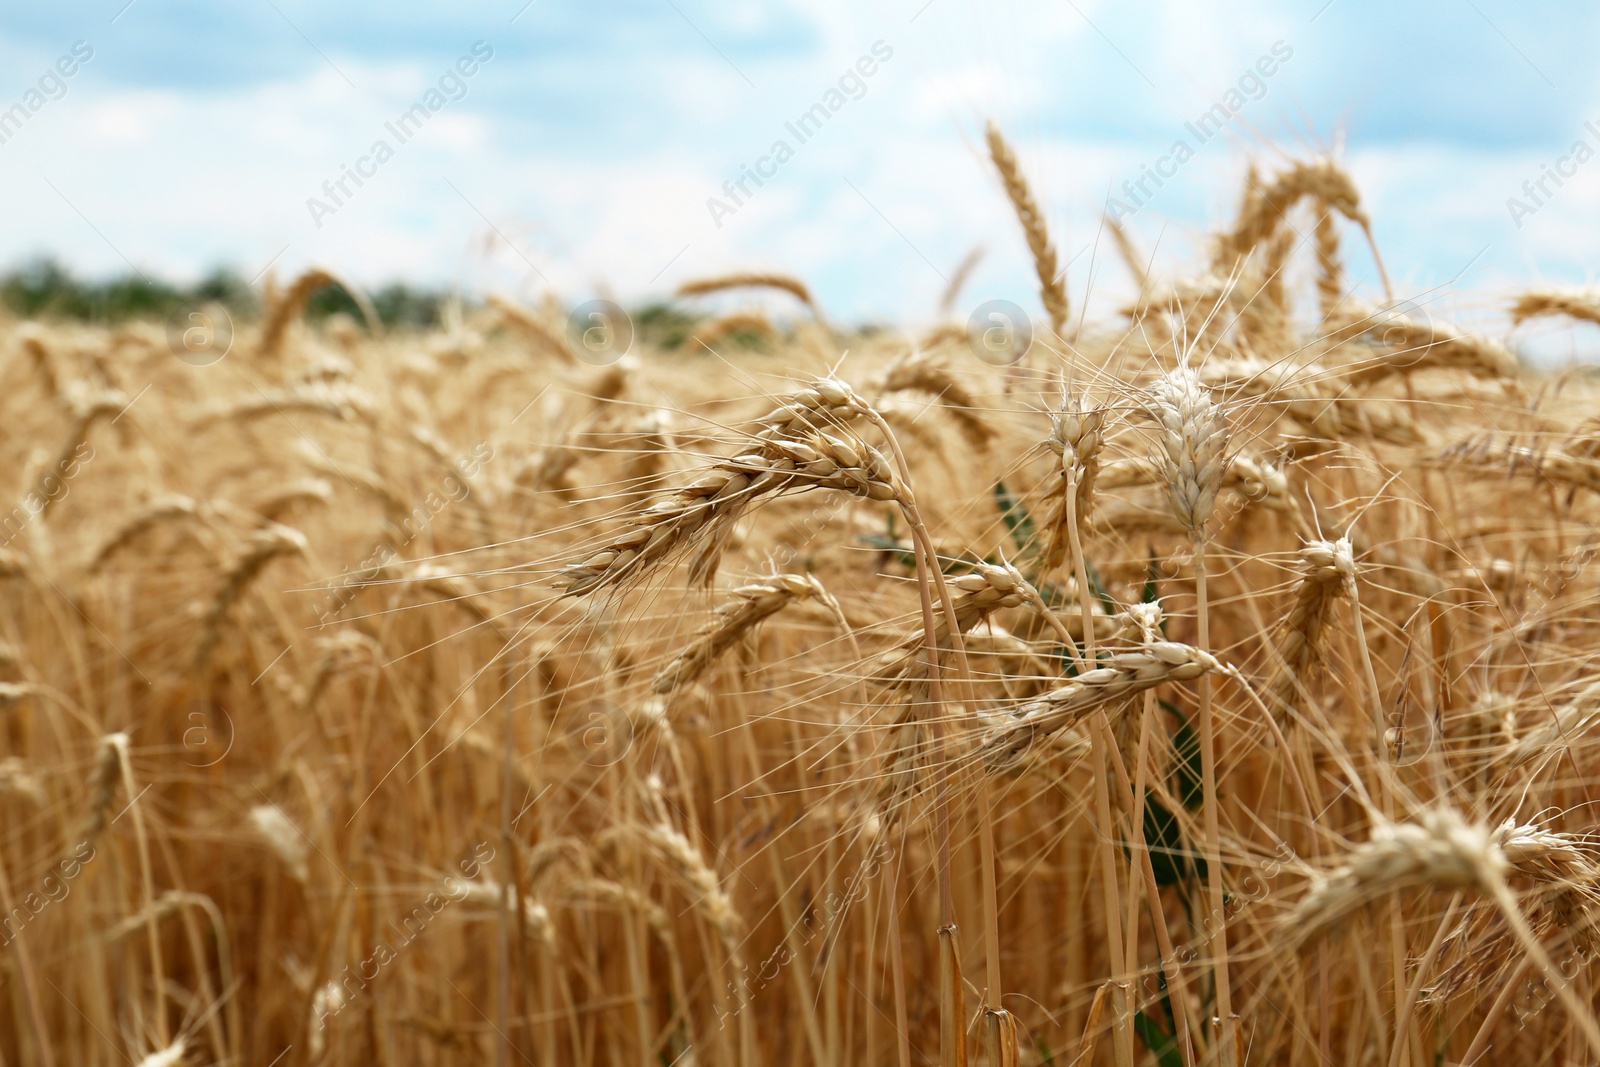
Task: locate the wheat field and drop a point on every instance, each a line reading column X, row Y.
column 1211, row 683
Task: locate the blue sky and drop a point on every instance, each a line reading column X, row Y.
column 580, row 158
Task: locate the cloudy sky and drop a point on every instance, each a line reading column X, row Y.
column 584, row 150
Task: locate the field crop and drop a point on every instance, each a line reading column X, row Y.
column 1210, row 681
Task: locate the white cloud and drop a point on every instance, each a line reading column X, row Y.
column 597, row 162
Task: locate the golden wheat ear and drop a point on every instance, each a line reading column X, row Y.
column 282, row 310
column 1052, row 284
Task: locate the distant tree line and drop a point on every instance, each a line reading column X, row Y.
column 43, row 289
column 46, row 290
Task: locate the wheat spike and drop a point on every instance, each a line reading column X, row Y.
column 1192, row 434
column 753, row 280
column 1077, row 433
column 1568, row 723
column 529, row 325
column 1326, row 570
column 281, row 312
column 1009, row 741
column 1052, row 287
column 284, row 839
column 718, row 330
column 791, row 451
column 161, row 510
column 266, row 546
column 103, row 786
column 751, row 604
column 1265, row 207
column 917, row 372
column 685, row 860
column 1580, row 304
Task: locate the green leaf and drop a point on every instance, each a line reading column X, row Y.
column 1098, row 588
column 1158, row 1041
column 1016, row 518
column 1186, row 772
column 1152, row 588
column 890, row 544
column 1169, row 860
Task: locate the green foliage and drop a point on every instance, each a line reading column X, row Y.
column 43, row 289
column 1171, row 860
column 1186, row 775
column 397, row 306
column 1018, row 522
column 662, row 325
column 1160, row 1043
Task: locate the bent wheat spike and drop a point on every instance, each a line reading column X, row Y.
column 791, row 451
column 266, row 546
column 529, row 325
column 754, row 323
column 915, row 371
column 1438, row 849
column 1124, row 673
column 1265, row 206
column 1327, row 569
column 793, row 286
column 164, row 509
column 1567, row 724
column 281, row 312
column 752, row 604
column 1415, row 345
column 1581, row 304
